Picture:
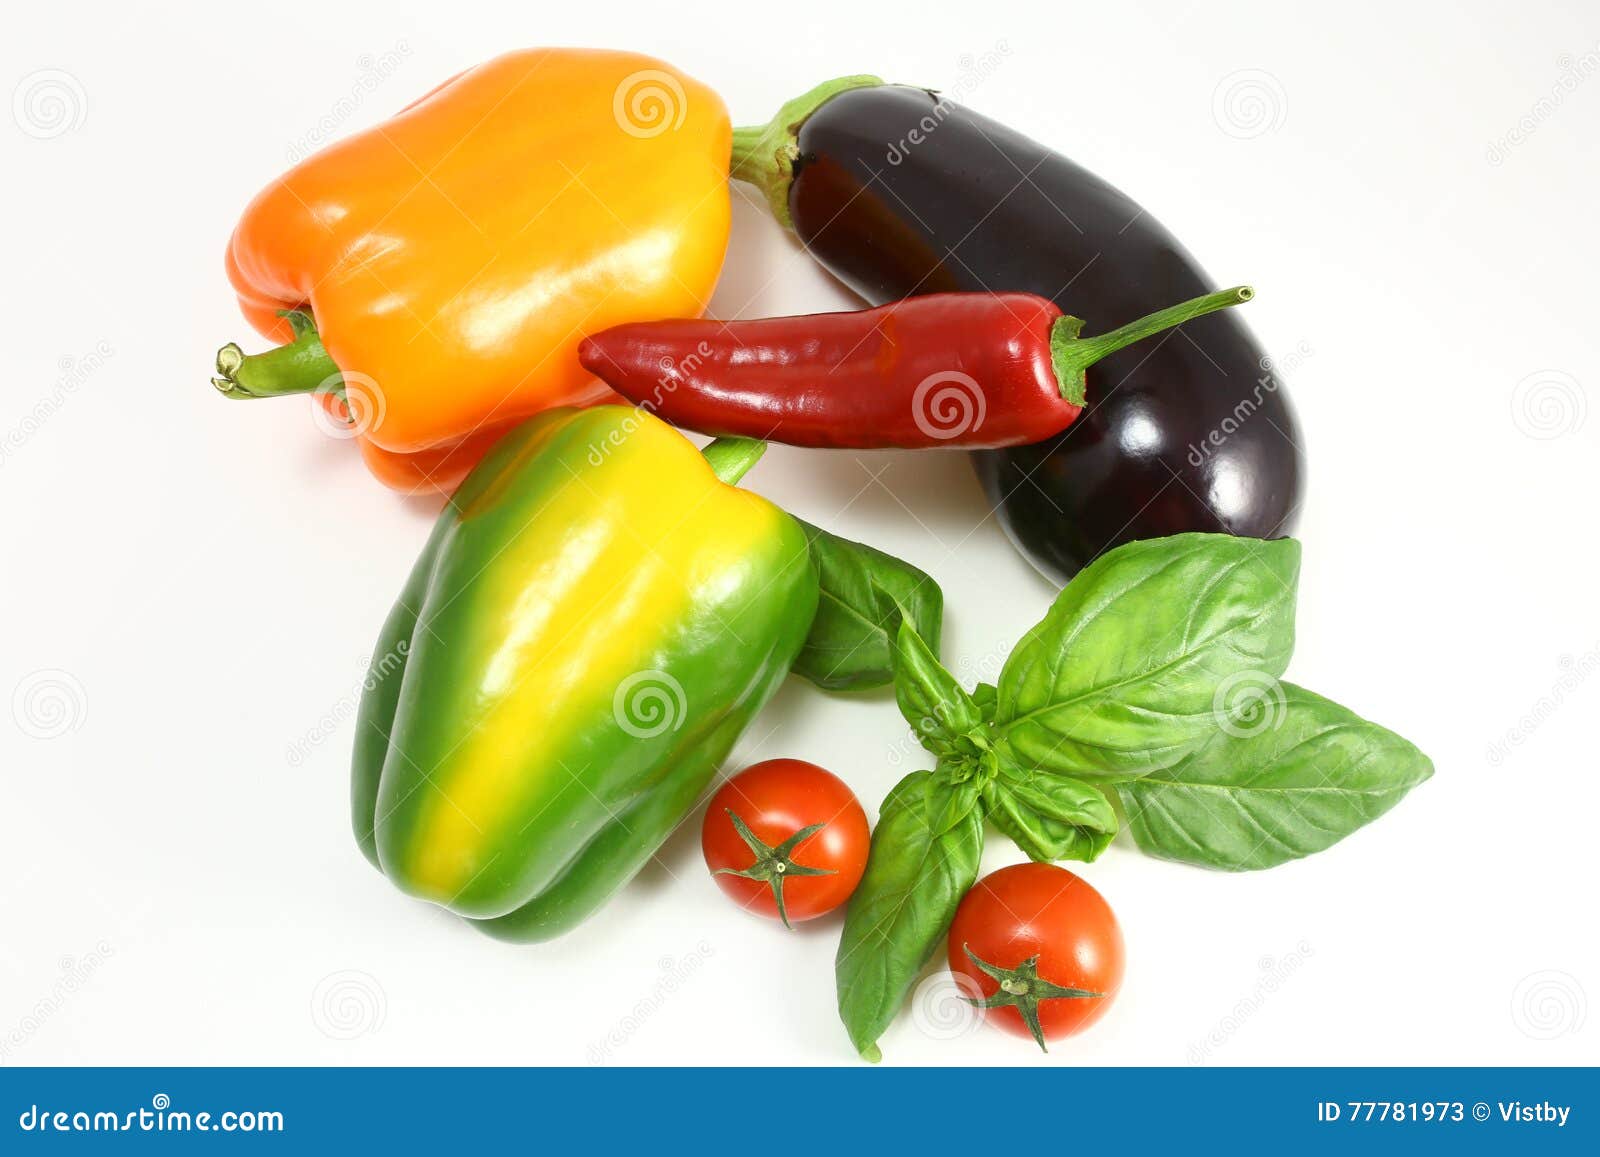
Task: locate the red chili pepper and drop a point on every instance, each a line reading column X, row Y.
column 978, row 370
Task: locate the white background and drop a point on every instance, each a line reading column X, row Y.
column 194, row 586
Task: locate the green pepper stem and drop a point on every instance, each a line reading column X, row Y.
column 731, row 458
column 1071, row 355
column 764, row 155
column 300, row 367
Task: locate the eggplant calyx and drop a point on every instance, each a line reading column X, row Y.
column 764, row 155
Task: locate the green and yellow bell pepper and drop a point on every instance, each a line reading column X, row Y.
column 597, row 616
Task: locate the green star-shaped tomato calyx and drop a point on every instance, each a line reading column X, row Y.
column 1021, row 988
column 774, row 865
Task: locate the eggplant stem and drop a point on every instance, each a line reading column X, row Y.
column 764, row 155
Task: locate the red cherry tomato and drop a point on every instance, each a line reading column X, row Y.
column 764, row 867
column 1042, row 946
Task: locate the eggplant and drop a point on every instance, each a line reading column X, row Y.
column 897, row 191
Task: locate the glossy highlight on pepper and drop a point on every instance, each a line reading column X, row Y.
column 593, row 623
column 448, row 261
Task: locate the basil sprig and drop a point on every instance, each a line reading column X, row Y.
column 1153, row 679
column 864, row 593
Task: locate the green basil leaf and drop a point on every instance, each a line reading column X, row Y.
column 851, row 641
column 964, row 789
column 986, row 697
column 1050, row 817
column 938, row 708
column 1294, row 776
column 903, row 905
column 1120, row 678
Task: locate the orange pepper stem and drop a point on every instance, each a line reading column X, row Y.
column 300, row 367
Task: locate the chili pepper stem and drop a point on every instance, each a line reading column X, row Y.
column 764, row 155
column 1071, row 355
column 300, row 367
column 731, row 458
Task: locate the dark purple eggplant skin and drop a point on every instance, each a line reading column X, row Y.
column 899, row 193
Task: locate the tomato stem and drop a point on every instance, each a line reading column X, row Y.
column 1022, row 988
column 774, row 864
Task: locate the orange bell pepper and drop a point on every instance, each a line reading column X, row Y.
column 434, row 275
